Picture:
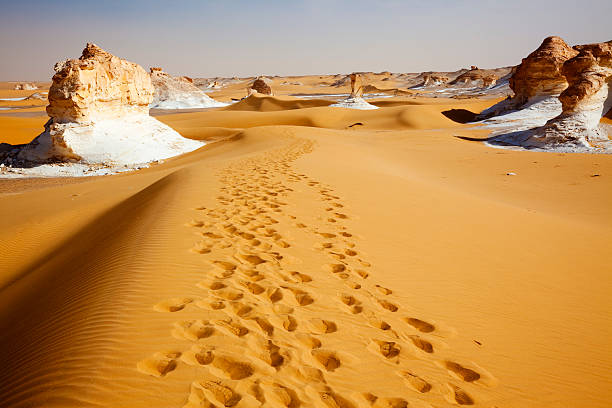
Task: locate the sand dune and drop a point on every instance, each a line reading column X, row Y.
column 311, row 257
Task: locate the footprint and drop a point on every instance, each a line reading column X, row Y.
column 217, row 391
column 229, row 294
column 289, row 323
column 278, row 395
column 350, row 252
column 378, row 323
column 173, row 304
column 254, row 288
column 320, row 326
column 266, row 351
column 273, row 294
column 192, row 330
column 384, row 290
column 327, row 358
column 387, row 349
column 415, row 381
column 462, row 372
column 231, row 368
column 363, row 274
column 422, row 344
column 336, row 268
column 458, row 396
column 385, row 304
column 253, row 259
column 160, row 364
column 301, row 277
column 202, row 355
column 327, row 235
column 420, row 325
column 303, row 298
column 232, row 327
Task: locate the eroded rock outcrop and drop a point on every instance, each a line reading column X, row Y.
column 475, row 77
column 355, row 99
column 99, row 115
column 584, row 102
column 260, row 86
column 356, row 86
column 178, row 92
column 434, row 79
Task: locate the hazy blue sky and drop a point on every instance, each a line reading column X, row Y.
column 249, row 37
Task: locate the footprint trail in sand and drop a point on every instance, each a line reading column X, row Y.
column 269, row 332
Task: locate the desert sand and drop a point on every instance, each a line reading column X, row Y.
column 310, row 256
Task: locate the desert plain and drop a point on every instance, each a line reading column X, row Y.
column 310, row 255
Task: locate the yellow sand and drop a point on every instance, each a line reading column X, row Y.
column 303, row 262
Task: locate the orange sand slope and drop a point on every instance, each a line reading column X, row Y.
column 301, row 262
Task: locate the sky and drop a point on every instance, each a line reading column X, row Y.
column 207, row 38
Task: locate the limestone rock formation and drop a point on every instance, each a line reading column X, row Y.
column 260, row 86
column 178, row 92
column 434, row 79
column 585, row 101
column 356, row 86
column 26, row 87
column 538, row 81
column 99, row 115
column 355, row 99
column 475, row 77
column 540, row 73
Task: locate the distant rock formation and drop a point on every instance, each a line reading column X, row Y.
column 356, row 86
column 355, row 99
column 178, row 93
column 99, row 115
column 260, row 86
column 26, row 87
column 476, row 77
column 434, row 79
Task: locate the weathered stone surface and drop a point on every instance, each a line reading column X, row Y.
column 587, row 98
column 540, row 73
column 96, row 86
column 99, row 116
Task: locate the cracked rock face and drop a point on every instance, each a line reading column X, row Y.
column 96, row 86
column 178, row 92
